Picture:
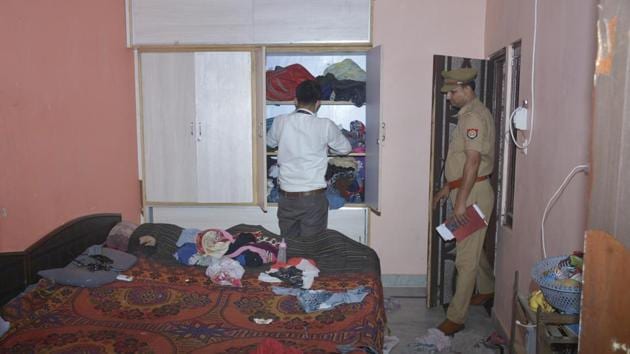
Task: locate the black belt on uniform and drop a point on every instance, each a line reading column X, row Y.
column 302, row 194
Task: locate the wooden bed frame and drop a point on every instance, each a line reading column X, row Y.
column 56, row 249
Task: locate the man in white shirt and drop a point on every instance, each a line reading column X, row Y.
column 303, row 140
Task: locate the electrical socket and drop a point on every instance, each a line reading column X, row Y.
column 4, row 213
column 520, row 118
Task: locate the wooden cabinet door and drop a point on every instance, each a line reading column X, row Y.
column 223, row 101
column 197, row 127
column 168, row 110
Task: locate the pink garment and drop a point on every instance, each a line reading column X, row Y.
column 266, row 256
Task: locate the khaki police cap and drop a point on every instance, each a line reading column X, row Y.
column 455, row 77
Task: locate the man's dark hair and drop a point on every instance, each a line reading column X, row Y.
column 308, row 92
column 470, row 84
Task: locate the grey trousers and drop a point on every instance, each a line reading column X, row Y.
column 302, row 216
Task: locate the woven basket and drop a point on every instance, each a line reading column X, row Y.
column 563, row 298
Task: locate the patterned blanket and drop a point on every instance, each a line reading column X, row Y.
column 176, row 309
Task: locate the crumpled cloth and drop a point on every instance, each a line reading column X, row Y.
column 225, row 271
column 434, row 339
column 4, row 326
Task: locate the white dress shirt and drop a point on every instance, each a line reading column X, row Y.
column 303, row 140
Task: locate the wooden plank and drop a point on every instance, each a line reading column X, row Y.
column 610, row 150
column 190, row 22
column 605, row 317
column 168, row 22
column 312, row 21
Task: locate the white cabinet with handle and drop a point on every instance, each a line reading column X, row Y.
column 197, row 126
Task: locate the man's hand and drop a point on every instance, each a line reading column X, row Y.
column 459, row 213
column 443, row 193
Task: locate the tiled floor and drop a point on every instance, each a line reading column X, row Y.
column 408, row 318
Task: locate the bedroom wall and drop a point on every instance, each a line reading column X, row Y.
column 411, row 33
column 565, row 58
column 67, row 116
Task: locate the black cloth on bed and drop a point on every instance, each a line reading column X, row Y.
column 166, row 236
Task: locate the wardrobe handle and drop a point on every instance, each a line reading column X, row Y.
column 382, row 136
column 192, row 128
column 199, row 131
column 259, row 129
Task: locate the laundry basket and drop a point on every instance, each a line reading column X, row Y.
column 563, row 298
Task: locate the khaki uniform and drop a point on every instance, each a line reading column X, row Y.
column 475, row 131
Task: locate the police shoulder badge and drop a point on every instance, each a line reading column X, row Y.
column 472, row 133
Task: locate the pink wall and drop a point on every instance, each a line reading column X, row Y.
column 565, row 57
column 411, row 33
column 67, row 116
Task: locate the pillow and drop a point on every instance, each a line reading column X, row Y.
column 121, row 261
column 71, row 275
column 118, row 237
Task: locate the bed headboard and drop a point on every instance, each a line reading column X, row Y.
column 56, row 249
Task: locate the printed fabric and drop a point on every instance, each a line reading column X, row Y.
column 320, row 300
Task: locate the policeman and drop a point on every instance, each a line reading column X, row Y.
column 469, row 163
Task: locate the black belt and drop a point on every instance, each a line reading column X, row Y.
column 302, row 194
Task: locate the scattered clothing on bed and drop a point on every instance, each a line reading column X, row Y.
column 320, row 300
column 196, row 311
column 433, row 340
column 213, row 242
column 188, row 235
column 201, row 260
column 185, row 252
column 307, row 267
column 250, row 250
column 289, row 275
column 225, row 271
column 254, row 255
column 265, row 277
column 4, row 326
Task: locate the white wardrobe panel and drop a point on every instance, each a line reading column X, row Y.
column 168, row 108
column 374, row 130
column 260, row 146
column 167, row 22
column 312, row 21
column 351, row 222
column 223, row 97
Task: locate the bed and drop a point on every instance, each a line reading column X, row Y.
column 171, row 308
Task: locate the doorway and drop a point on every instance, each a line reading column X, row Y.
column 490, row 88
